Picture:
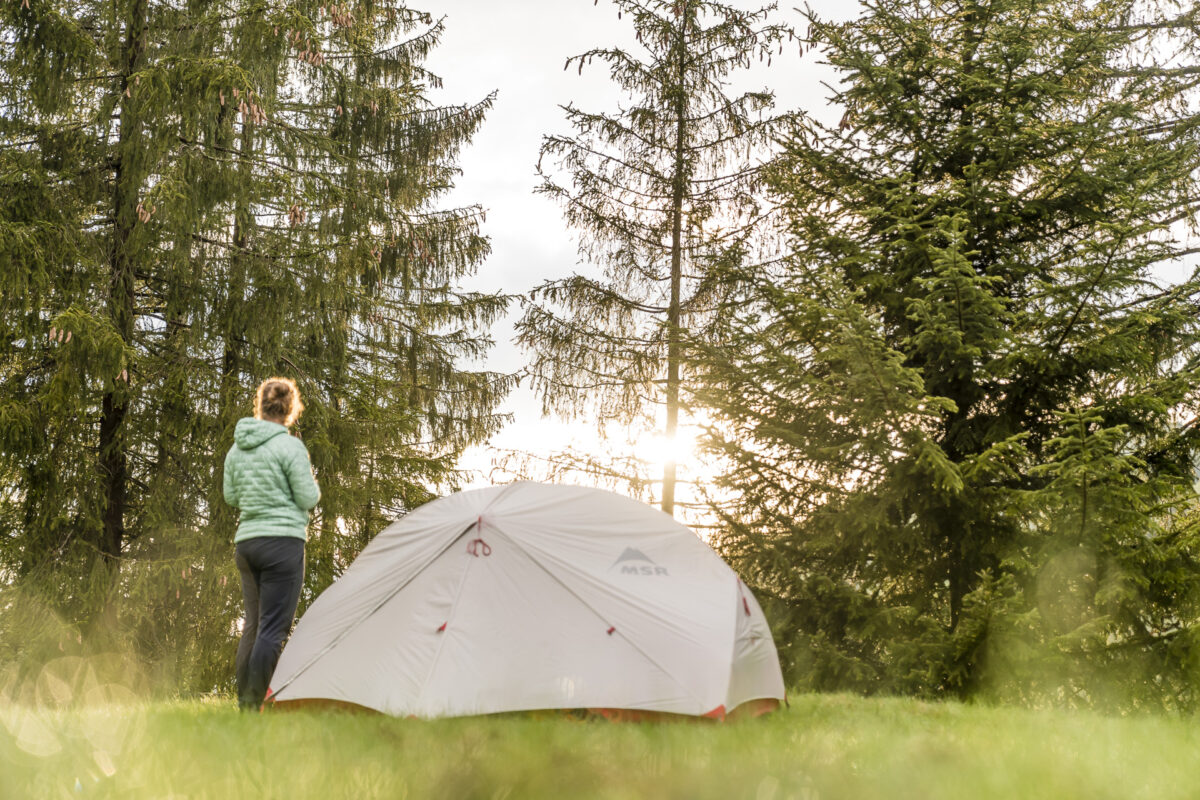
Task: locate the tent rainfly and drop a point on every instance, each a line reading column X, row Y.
column 533, row 596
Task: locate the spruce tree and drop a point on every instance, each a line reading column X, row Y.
column 659, row 193
column 197, row 197
column 960, row 419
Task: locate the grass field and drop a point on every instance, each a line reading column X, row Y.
column 822, row 747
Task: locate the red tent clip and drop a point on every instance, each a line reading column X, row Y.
column 441, row 628
column 610, row 630
column 478, row 547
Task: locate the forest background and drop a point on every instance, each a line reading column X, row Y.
column 939, row 344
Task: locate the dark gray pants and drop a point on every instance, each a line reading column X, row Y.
column 272, row 570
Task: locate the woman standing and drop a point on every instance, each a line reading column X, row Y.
column 268, row 476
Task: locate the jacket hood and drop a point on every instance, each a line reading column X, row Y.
column 250, row 432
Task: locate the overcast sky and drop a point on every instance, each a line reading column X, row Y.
column 518, row 49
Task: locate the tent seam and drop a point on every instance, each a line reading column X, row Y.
column 453, row 606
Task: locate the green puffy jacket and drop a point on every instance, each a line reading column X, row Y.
column 269, row 477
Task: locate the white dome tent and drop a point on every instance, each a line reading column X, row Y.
column 533, row 596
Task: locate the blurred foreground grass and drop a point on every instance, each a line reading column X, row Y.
column 823, row 747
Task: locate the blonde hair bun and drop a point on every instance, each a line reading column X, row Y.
column 278, row 399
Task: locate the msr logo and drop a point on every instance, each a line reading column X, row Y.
column 635, row 562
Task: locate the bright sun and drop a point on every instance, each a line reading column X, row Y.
column 656, row 449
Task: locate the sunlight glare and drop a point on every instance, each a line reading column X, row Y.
column 657, row 450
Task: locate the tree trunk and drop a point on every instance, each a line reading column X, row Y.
column 674, row 346
column 114, row 445
column 232, row 366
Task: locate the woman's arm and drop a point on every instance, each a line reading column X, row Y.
column 230, row 489
column 300, row 478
